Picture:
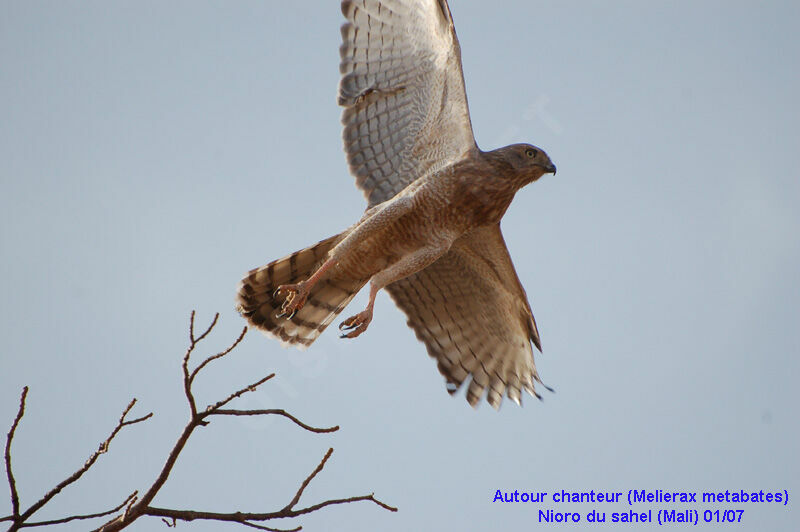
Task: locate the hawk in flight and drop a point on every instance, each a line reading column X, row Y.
column 431, row 232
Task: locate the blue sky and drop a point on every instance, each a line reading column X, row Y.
column 152, row 153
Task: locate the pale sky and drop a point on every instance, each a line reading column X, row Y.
column 151, row 153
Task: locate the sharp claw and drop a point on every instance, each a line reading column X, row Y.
column 354, row 325
column 276, row 292
column 284, row 315
column 350, row 333
column 345, row 326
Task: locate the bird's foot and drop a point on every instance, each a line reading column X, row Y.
column 355, row 325
column 296, row 295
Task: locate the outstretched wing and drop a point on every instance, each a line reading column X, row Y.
column 402, row 89
column 471, row 311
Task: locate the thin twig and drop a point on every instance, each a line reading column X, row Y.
column 130, row 504
column 211, row 409
column 12, row 484
column 218, row 355
column 187, row 379
column 194, row 340
column 308, row 480
column 275, row 411
column 314, row 508
column 262, row 527
column 131, row 497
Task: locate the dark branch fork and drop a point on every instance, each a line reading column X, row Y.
column 135, row 506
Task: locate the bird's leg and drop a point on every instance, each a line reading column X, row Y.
column 296, row 294
column 375, row 219
column 357, row 324
column 412, row 263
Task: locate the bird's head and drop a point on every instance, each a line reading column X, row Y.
column 531, row 162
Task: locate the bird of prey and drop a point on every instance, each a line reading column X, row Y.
column 431, row 232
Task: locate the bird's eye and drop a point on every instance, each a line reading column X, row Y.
column 530, row 153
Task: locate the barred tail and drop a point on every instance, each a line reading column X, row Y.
column 327, row 298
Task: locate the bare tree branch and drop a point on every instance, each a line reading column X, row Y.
column 262, row 527
column 187, row 379
column 63, row 520
column 275, row 411
column 217, row 356
column 12, row 484
column 192, row 339
column 20, row 518
column 240, row 517
column 244, row 518
column 102, row 449
column 370, row 497
column 212, row 409
column 308, row 479
column 134, row 506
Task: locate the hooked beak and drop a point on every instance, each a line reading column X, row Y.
column 550, row 169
